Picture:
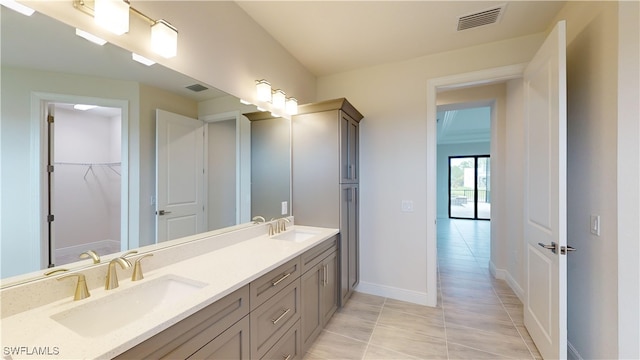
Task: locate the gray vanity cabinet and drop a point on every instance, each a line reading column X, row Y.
column 319, row 289
column 221, row 330
column 325, row 174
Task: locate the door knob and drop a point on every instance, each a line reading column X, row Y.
column 162, row 212
column 565, row 249
column 553, row 247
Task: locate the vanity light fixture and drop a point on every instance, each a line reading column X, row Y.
column 88, row 36
column 292, row 106
column 164, row 39
column 16, row 6
column 279, row 99
column 263, row 90
column 142, row 60
column 112, row 15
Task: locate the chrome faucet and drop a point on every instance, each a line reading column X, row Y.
column 82, row 292
column 91, row 254
column 258, row 219
column 112, row 275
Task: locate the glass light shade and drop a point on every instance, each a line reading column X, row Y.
column 112, row 15
column 292, row 106
column 164, row 39
column 263, row 90
column 279, row 99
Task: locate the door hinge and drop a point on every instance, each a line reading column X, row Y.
column 50, row 218
column 50, row 168
column 50, row 119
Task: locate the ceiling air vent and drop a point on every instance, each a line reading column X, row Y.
column 486, row 17
column 197, row 87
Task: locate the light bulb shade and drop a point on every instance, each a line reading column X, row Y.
column 279, row 99
column 112, row 15
column 292, row 106
column 263, row 90
column 164, row 39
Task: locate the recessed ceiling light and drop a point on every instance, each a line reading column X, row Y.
column 84, row 107
column 88, row 36
column 141, row 59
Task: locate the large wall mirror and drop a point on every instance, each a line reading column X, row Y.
column 114, row 173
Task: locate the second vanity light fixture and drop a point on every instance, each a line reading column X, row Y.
column 113, row 15
column 278, row 98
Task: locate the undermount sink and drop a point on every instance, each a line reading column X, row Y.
column 296, row 235
column 120, row 308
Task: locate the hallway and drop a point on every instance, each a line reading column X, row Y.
column 477, row 317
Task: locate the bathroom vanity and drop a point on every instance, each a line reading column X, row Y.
column 251, row 296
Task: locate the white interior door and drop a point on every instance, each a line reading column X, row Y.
column 545, row 308
column 179, row 176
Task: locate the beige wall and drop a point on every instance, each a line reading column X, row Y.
column 393, row 158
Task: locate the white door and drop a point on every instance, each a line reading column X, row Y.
column 179, row 176
column 545, row 308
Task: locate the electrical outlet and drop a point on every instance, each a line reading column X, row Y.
column 285, row 208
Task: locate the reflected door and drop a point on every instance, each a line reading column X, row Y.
column 179, row 176
column 469, row 187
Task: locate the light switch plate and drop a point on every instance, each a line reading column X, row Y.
column 594, row 225
column 407, row 206
column 285, row 208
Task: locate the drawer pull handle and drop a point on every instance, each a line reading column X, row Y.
column 274, row 283
column 287, row 357
column 275, row 321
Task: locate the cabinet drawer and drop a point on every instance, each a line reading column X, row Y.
column 273, row 318
column 231, row 345
column 313, row 257
column 187, row 336
column 288, row 347
column 272, row 282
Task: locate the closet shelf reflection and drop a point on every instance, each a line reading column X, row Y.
column 110, row 165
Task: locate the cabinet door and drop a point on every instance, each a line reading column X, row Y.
column 232, row 344
column 354, row 239
column 311, row 315
column 349, row 138
column 349, row 242
column 329, row 288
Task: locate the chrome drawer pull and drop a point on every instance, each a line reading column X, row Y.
column 280, row 280
column 280, row 317
column 287, row 357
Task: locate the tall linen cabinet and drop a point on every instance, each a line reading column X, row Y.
column 325, row 178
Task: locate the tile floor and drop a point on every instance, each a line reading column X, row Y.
column 477, row 317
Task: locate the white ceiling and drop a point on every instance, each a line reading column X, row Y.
column 329, row 37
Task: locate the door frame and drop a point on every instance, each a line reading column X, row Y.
column 38, row 202
column 457, row 81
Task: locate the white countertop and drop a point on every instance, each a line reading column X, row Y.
column 34, row 334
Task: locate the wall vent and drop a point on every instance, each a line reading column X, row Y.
column 197, row 87
column 482, row 18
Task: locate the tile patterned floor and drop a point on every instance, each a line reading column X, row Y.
column 477, row 317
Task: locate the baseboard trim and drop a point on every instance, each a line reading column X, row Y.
column 505, row 275
column 394, row 293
